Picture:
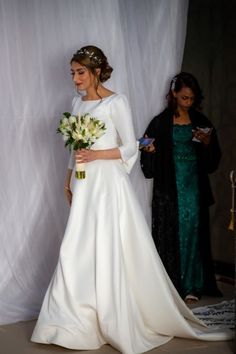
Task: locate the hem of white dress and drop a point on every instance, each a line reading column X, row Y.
column 62, row 338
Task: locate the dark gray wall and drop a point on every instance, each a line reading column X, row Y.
column 210, row 54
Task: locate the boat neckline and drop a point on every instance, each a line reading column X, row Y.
column 99, row 99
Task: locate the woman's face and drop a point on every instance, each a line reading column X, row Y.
column 82, row 77
column 184, row 98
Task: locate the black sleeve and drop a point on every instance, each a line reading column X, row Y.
column 210, row 155
column 147, row 159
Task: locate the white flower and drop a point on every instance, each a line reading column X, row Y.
column 76, row 135
column 64, row 121
column 65, row 138
column 72, row 119
column 81, row 130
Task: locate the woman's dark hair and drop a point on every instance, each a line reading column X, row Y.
column 93, row 58
column 181, row 80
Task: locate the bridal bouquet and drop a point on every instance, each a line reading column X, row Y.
column 80, row 132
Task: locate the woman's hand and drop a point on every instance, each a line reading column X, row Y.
column 68, row 194
column 85, row 155
column 203, row 137
column 150, row 147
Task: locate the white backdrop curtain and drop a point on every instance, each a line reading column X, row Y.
column 144, row 42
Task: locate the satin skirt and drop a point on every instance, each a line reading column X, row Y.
column 110, row 285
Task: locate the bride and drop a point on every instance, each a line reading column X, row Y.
column 109, row 285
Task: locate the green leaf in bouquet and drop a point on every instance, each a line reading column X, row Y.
column 73, row 126
column 67, row 114
column 69, row 141
column 76, row 145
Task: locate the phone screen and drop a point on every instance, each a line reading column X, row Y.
column 145, row 141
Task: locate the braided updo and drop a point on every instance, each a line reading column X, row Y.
column 93, row 58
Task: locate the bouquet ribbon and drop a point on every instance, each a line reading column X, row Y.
column 80, row 170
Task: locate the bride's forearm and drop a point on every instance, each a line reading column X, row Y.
column 68, row 178
column 84, row 155
column 109, row 154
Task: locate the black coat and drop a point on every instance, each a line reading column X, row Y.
column 160, row 166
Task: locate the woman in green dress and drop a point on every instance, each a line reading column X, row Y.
column 184, row 152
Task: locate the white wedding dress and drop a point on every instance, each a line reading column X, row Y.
column 109, row 285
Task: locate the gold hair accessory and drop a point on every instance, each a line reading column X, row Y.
column 91, row 55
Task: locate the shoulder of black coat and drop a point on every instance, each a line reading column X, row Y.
column 199, row 118
column 164, row 114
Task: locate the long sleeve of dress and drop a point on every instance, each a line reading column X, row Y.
column 122, row 119
column 71, row 161
column 72, row 154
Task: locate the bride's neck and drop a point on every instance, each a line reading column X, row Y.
column 93, row 94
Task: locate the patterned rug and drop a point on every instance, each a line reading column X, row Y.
column 221, row 315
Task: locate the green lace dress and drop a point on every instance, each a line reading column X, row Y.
column 188, row 209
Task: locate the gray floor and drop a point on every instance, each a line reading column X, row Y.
column 15, row 338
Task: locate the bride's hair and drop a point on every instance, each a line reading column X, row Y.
column 93, row 58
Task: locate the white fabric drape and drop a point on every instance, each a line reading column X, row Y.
column 144, row 42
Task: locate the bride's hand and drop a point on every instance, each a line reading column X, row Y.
column 68, row 194
column 85, row 155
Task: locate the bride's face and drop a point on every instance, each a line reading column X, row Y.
column 82, row 77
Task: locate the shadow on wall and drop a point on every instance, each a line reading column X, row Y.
column 210, row 54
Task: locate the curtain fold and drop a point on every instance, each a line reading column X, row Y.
column 144, row 43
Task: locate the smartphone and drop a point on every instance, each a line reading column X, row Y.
column 205, row 130
column 144, row 142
